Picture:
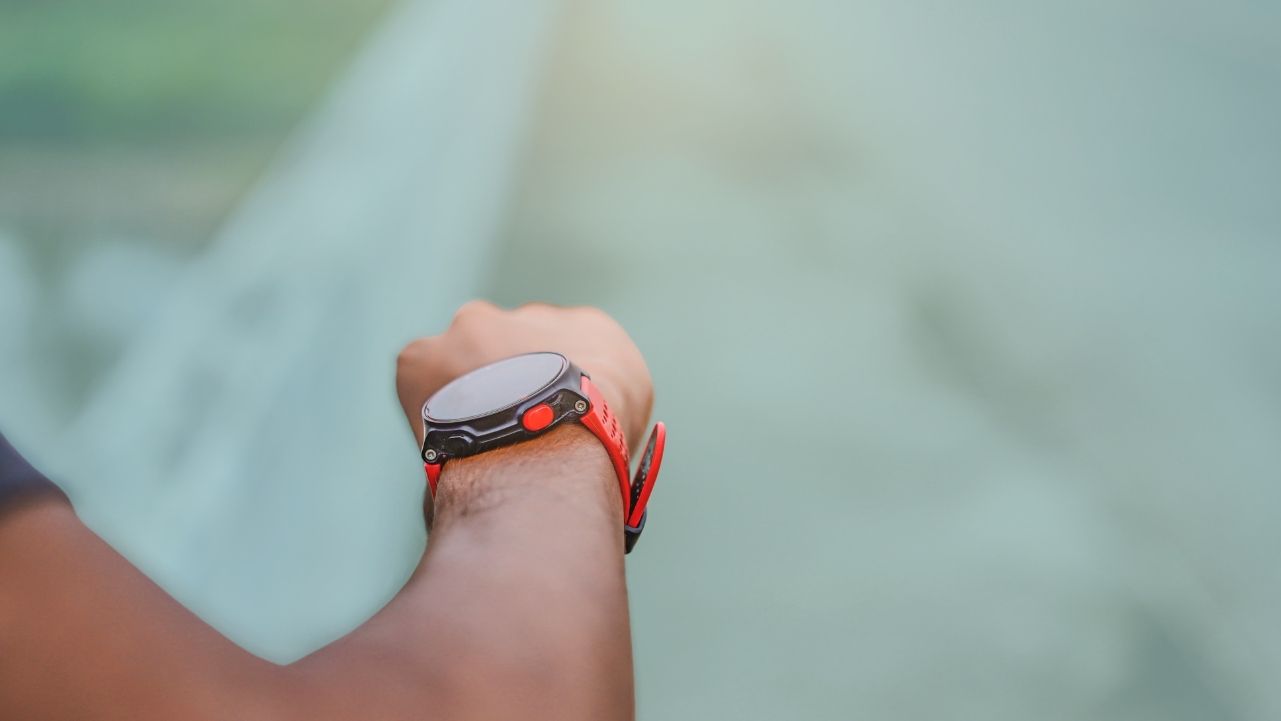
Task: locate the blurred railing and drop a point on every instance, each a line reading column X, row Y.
column 248, row 452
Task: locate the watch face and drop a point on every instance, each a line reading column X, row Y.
column 494, row 387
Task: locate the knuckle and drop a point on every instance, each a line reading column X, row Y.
column 591, row 312
column 413, row 352
column 473, row 309
column 538, row 306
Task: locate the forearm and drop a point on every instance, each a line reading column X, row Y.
column 518, row 608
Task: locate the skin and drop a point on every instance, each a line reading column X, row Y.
column 518, row 608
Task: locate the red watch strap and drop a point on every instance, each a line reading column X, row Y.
column 646, row 474
column 602, row 423
column 433, row 475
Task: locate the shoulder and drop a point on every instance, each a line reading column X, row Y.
column 19, row 480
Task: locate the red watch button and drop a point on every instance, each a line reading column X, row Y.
column 538, row 417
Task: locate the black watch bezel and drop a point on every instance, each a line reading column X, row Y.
column 504, row 426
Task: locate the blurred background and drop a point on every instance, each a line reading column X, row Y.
column 965, row 318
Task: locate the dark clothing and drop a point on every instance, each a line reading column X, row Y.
column 18, row 480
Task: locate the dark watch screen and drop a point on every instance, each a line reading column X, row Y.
column 494, row 387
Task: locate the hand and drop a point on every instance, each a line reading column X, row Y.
column 482, row 333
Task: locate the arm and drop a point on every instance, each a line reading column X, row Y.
column 518, row 608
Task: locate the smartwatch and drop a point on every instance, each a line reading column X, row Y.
column 523, row 397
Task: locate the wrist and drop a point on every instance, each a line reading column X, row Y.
column 566, row 467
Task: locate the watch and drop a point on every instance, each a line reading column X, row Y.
column 521, row 398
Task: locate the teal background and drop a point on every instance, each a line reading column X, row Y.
column 964, row 319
